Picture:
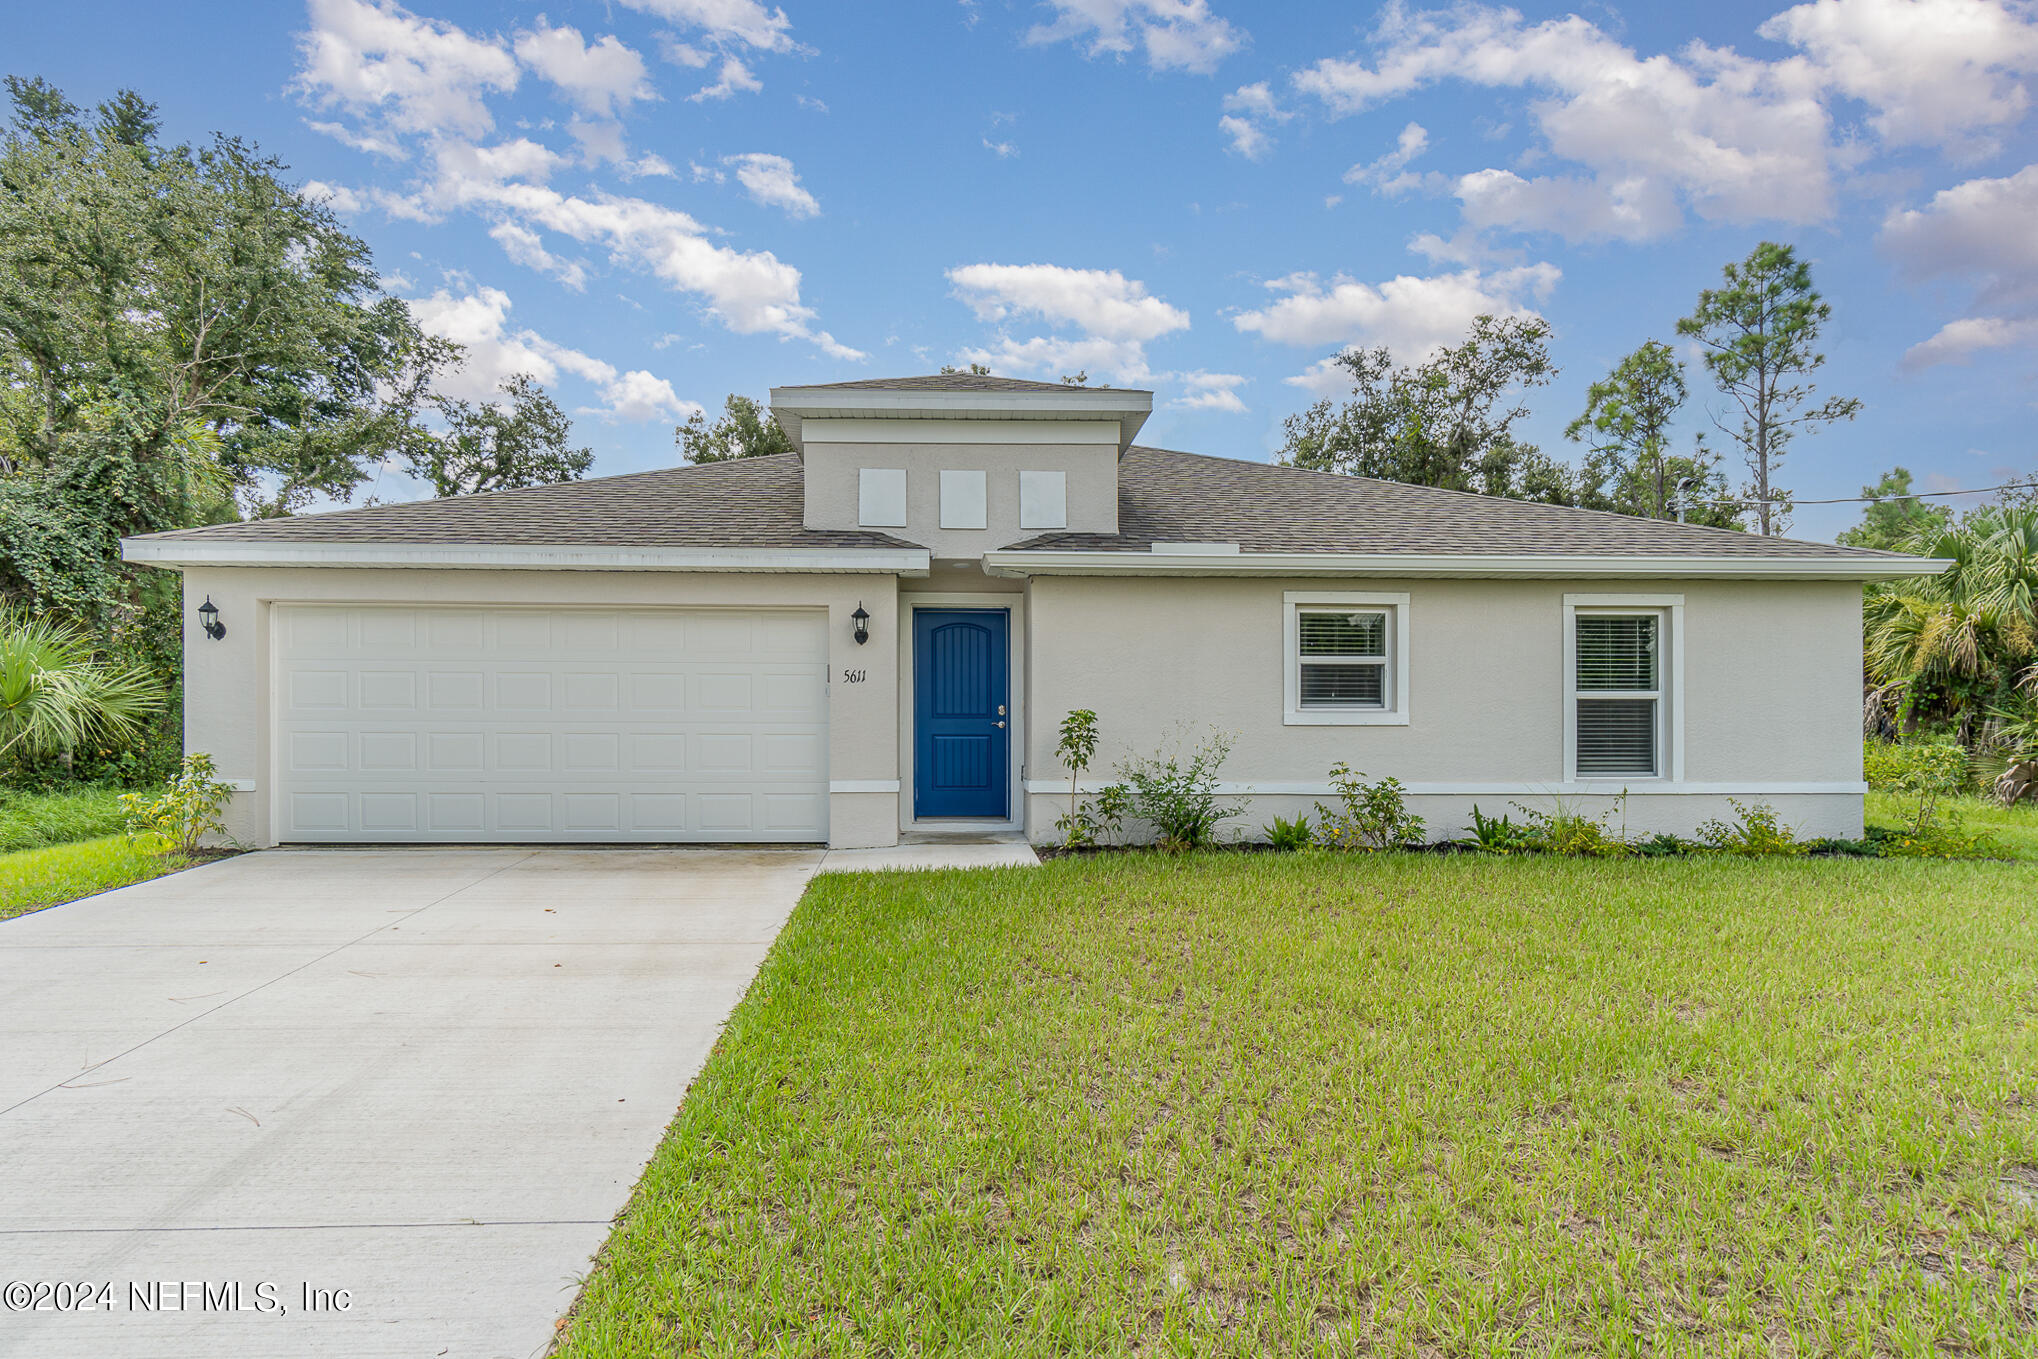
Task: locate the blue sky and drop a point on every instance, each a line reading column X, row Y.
column 652, row 203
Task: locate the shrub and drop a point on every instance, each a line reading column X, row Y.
column 1289, row 835
column 1565, row 830
column 1914, row 766
column 1663, row 845
column 1370, row 815
column 1499, row 834
column 184, row 813
column 1756, row 829
column 1175, row 792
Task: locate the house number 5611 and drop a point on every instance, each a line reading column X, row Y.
column 853, row 676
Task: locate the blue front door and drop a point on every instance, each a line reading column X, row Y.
column 962, row 749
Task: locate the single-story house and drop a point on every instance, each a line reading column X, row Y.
column 878, row 634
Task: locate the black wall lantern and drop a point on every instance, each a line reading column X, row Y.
column 208, row 618
column 862, row 620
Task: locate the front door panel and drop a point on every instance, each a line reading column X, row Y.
column 961, row 724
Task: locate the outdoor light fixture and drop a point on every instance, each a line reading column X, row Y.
column 208, row 618
column 862, row 620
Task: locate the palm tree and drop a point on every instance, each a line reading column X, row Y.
column 56, row 695
column 1958, row 644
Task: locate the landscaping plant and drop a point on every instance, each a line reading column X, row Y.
column 1369, row 816
column 1080, row 825
column 1175, row 792
column 57, row 695
column 1566, row 830
column 1755, row 829
column 184, row 813
column 1289, row 835
column 1500, row 835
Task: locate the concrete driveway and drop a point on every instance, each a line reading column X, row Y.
column 428, row 1078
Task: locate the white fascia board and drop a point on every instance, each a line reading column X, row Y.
column 183, row 552
column 792, row 407
column 1413, row 565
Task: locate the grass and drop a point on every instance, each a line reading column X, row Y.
column 33, row 820
column 1250, row 1104
column 31, row 879
column 2013, row 829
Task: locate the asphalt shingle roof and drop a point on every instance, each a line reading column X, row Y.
column 1165, row 496
column 744, row 502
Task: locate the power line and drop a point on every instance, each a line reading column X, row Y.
column 1874, row 499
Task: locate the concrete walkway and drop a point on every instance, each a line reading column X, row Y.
column 428, row 1078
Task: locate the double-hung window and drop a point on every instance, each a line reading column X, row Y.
column 1620, row 675
column 1346, row 659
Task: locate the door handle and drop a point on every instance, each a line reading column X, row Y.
column 997, row 724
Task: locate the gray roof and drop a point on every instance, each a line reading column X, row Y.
column 952, row 382
column 744, row 502
column 1165, row 496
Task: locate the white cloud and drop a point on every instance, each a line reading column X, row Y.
column 1116, row 316
column 376, row 58
column 338, row 197
column 1247, row 112
column 1732, row 139
column 480, row 322
column 520, row 159
column 1176, row 35
column 1101, row 301
column 1411, row 316
column 1980, row 231
column 772, row 181
column 372, row 143
column 725, row 21
column 1635, row 208
column 600, row 140
column 1934, row 72
column 1210, row 391
column 1959, row 341
column 750, row 292
column 599, row 78
column 527, row 248
column 637, row 396
column 1002, row 150
column 810, row 104
column 735, row 78
column 1386, row 173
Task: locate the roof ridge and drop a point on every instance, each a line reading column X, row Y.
column 1445, row 491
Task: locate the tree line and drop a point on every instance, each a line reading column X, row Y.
column 1449, row 420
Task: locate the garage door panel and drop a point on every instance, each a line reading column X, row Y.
column 550, row 724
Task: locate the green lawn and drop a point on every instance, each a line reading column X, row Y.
column 2014, row 829
column 1246, row 1104
column 32, row 820
column 31, row 879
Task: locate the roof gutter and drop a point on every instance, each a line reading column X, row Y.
column 1424, row 565
column 179, row 553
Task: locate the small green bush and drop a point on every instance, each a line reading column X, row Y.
column 1369, row 816
column 1175, row 792
column 1565, row 830
column 1500, row 834
column 1914, row 766
column 1755, row 830
column 184, row 813
column 1289, row 835
column 1664, row 845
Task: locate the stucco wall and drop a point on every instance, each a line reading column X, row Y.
column 227, row 683
column 1771, row 676
column 1091, row 467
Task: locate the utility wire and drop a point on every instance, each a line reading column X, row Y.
column 1872, row 499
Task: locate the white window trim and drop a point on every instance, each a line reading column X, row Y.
column 1293, row 714
column 1669, row 680
column 881, row 497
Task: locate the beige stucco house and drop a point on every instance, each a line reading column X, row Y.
column 878, row 634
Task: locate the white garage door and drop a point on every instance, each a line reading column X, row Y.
column 464, row 724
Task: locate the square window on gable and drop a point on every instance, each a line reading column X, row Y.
column 881, row 497
column 1043, row 500
column 963, row 501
